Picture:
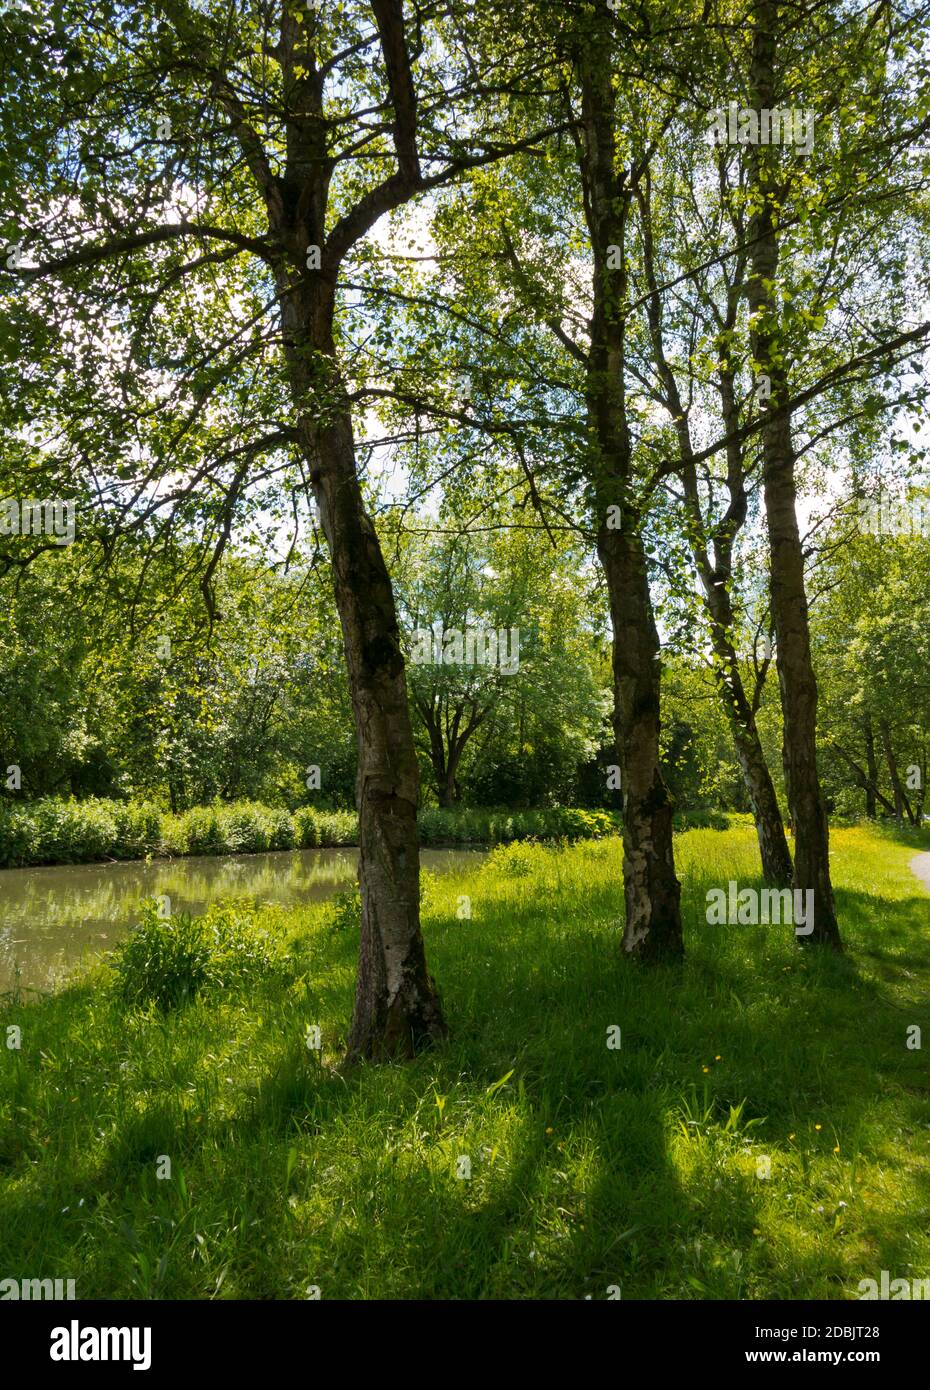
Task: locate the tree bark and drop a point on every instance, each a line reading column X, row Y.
column 770, row 830
column 448, row 790
column 652, row 893
column 901, row 801
column 871, row 767
column 797, row 684
column 741, row 714
column 397, row 1008
column 777, row 868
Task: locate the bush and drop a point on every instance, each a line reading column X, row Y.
column 314, row 829
column 240, row 950
column 346, row 910
column 282, row 830
column 54, row 831
column 479, row 826
column 172, row 839
column 338, row 827
column 163, row 961
column 306, row 828
column 138, row 829
column 70, row 832
column 200, row 831
column 512, row 861
column 168, row 961
column 18, row 836
column 245, row 828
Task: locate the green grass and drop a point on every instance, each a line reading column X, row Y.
column 590, row 1167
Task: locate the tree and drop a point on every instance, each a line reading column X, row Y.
column 705, row 329
column 870, row 633
column 169, row 145
column 519, row 600
column 776, row 67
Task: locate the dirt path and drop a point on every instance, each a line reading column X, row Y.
column 920, row 865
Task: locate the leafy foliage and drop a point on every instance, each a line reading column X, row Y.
column 168, row 961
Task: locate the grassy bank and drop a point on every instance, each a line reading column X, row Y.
column 590, row 1167
column 82, row 832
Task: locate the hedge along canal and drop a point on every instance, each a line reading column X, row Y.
column 53, row 918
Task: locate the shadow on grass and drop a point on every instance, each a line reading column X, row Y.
column 592, row 1166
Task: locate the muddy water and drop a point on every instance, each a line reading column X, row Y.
column 52, row 919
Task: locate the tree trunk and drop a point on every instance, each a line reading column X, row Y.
column 797, row 684
column 448, row 791
column 651, row 890
column 445, row 764
column 652, row 929
column 871, row 768
column 920, row 789
column 773, row 842
column 921, row 792
column 458, row 737
column 397, row 1008
column 777, row 868
column 437, row 750
column 901, row 802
